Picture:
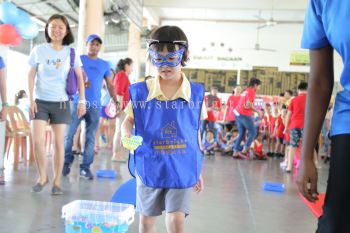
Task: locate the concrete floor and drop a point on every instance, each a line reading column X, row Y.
column 232, row 201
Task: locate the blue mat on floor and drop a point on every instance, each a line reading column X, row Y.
column 109, row 174
column 126, row 193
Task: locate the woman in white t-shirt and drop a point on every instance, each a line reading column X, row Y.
column 50, row 64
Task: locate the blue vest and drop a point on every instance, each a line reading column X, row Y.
column 170, row 156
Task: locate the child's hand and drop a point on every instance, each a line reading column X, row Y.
column 201, row 147
column 199, row 186
column 126, row 135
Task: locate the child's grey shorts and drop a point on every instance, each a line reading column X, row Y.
column 153, row 201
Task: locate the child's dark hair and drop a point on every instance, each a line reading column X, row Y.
column 290, row 92
column 122, row 62
column 170, row 33
column 302, row 86
column 281, row 94
column 19, row 96
column 284, row 106
column 229, row 127
column 210, row 131
column 253, row 82
column 68, row 39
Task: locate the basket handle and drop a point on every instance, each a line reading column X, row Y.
column 130, row 220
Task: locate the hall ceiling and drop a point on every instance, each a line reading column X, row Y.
column 249, row 11
column 233, row 11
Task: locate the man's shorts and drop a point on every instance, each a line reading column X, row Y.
column 296, row 135
column 153, row 201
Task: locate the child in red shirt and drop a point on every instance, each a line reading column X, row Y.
column 257, row 148
column 295, row 117
column 121, row 85
column 278, row 132
column 270, row 127
column 232, row 103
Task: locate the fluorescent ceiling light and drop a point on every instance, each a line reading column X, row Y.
column 38, row 21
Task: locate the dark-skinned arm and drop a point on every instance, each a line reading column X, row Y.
column 320, row 86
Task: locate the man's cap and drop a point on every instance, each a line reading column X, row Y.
column 93, row 37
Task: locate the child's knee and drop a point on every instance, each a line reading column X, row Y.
column 147, row 222
column 176, row 219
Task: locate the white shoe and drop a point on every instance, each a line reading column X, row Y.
column 283, row 164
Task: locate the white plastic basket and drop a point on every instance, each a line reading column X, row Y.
column 97, row 212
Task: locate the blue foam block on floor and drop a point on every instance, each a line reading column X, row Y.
column 274, row 187
column 110, row 174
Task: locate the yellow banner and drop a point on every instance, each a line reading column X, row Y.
column 300, row 58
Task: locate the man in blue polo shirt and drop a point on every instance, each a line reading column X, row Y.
column 3, row 105
column 325, row 30
column 96, row 70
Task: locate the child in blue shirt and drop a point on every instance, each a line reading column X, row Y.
column 209, row 143
column 166, row 112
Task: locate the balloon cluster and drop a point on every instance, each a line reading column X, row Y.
column 15, row 25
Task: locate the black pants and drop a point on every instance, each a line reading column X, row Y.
column 336, row 209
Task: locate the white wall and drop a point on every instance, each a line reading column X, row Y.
column 17, row 74
column 284, row 38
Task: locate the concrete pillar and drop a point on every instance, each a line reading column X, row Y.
column 134, row 50
column 91, row 20
column 81, row 27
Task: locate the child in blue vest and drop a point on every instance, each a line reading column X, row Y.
column 166, row 112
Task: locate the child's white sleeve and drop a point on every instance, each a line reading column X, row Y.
column 204, row 112
column 129, row 110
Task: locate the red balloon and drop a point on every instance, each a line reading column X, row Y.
column 18, row 40
column 8, row 34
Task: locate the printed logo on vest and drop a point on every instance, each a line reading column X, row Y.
column 169, row 130
column 169, row 142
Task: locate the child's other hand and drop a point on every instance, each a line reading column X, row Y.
column 127, row 135
column 200, row 185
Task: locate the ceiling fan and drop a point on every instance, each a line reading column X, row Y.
column 267, row 22
column 270, row 22
column 257, row 46
column 257, row 43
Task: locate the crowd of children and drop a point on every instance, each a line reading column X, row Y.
column 278, row 123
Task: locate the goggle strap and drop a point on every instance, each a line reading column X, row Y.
column 178, row 42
